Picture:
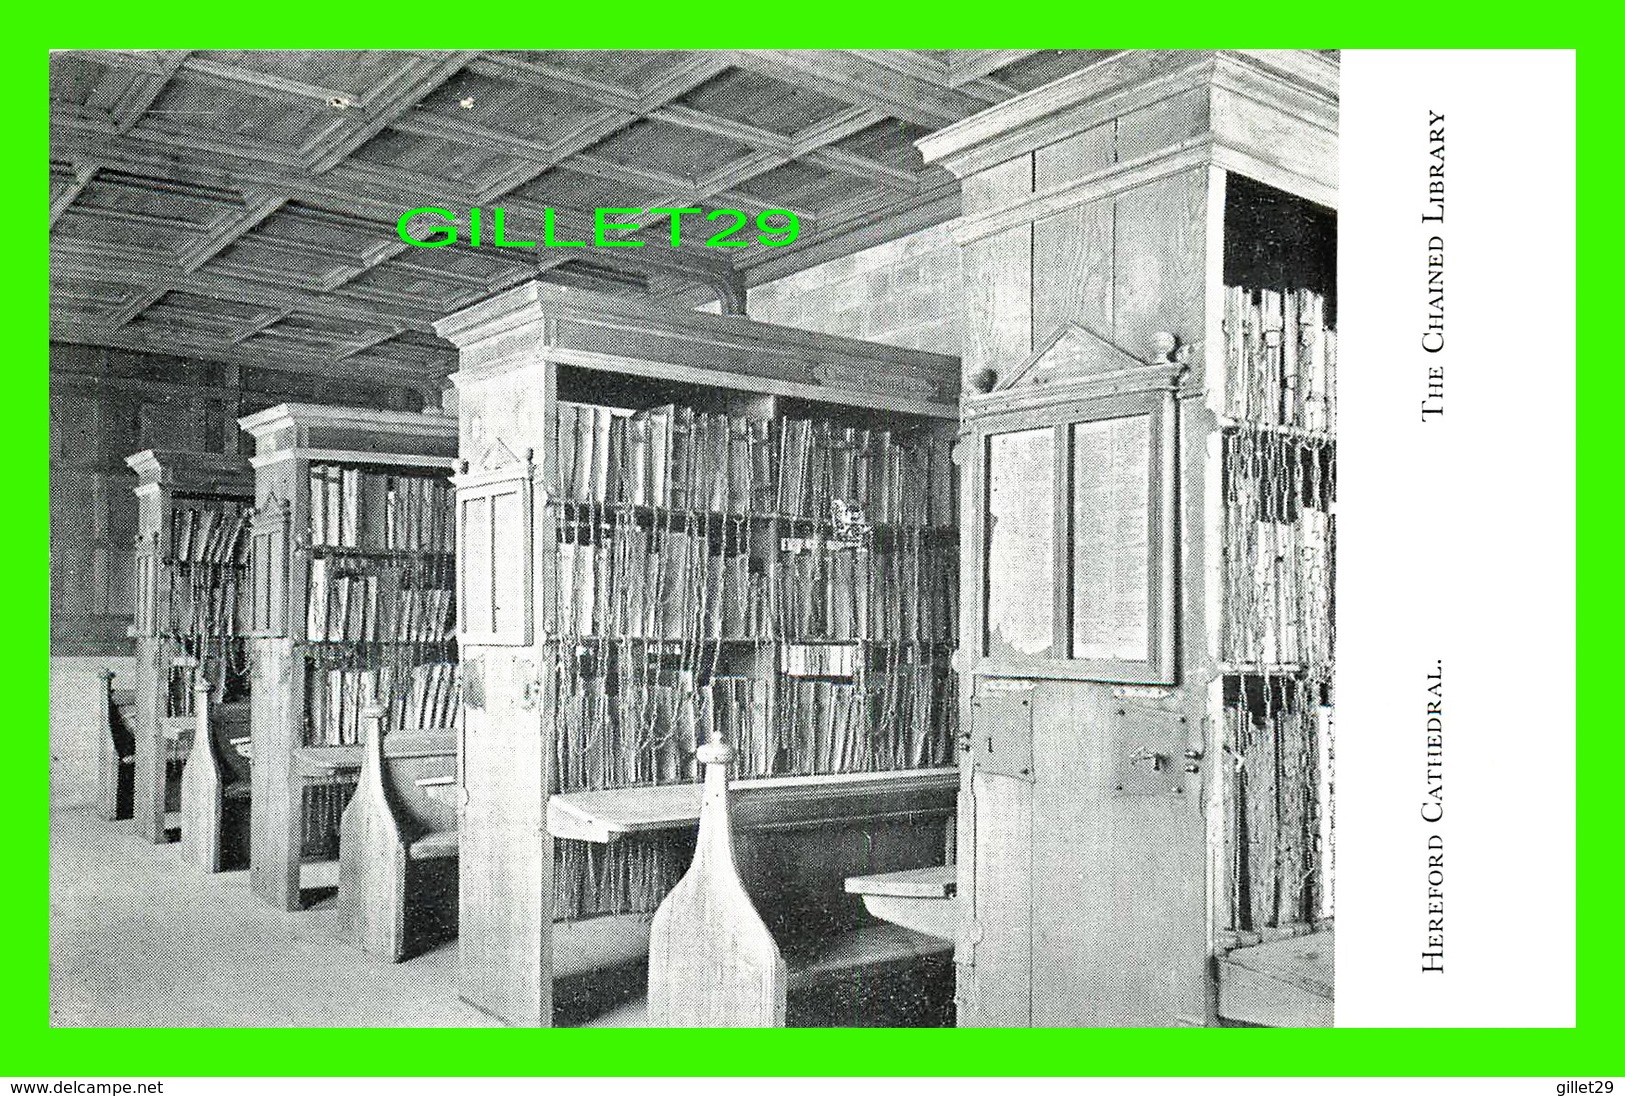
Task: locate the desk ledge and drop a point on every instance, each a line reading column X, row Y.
column 768, row 803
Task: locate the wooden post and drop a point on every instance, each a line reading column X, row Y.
column 712, row 962
column 107, row 754
column 372, row 856
column 203, row 786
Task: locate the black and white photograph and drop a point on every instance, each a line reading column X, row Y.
column 667, row 538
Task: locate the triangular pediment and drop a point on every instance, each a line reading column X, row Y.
column 1073, row 353
column 492, row 453
column 496, row 457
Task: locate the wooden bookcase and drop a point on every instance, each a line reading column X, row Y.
column 1148, row 543
column 349, row 592
column 191, row 555
column 639, row 567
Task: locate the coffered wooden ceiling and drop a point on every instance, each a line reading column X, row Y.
column 241, row 206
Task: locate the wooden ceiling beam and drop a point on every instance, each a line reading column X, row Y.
column 137, row 304
column 134, row 217
column 351, row 349
column 227, row 230
column 82, row 176
column 135, row 104
column 862, row 167
column 683, row 78
column 538, row 74
column 701, row 122
column 172, row 134
column 851, row 78
column 220, row 74
column 387, row 104
column 259, row 322
column 965, row 71
column 77, row 258
column 838, row 127
column 179, row 341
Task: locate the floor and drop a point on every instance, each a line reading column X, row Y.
column 140, row 939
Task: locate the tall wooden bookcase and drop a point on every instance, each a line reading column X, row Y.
column 190, row 557
column 346, row 522
column 606, row 441
column 1146, row 532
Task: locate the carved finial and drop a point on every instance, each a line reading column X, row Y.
column 716, row 752
column 983, row 380
column 1163, row 347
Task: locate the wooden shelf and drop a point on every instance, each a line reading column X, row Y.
column 318, row 761
column 585, row 512
column 766, row 803
column 1302, row 433
column 937, row 882
column 922, row 900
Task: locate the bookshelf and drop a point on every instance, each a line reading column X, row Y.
column 191, row 553
column 350, row 600
column 1149, row 540
column 675, row 527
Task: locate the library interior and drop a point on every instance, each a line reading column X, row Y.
column 910, row 606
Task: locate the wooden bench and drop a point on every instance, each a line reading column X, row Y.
column 214, row 811
column 115, row 750
column 398, row 841
column 713, row 961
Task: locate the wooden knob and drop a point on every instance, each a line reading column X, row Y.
column 983, row 380
column 715, row 753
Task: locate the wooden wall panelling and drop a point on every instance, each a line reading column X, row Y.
column 1159, row 264
column 998, row 301
column 1072, row 270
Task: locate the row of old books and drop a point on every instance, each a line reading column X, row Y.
column 1280, row 358
column 891, row 721
column 675, row 457
column 426, row 697
column 890, row 479
column 373, row 607
column 1278, row 822
column 671, row 457
column 626, row 728
column 835, row 591
column 208, row 534
column 624, row 732
column 622, row 877
column 337, row 697
column 322, row 806
column 1278, row 591
column 203, row 605
column 379, row 511
column 658, row 584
